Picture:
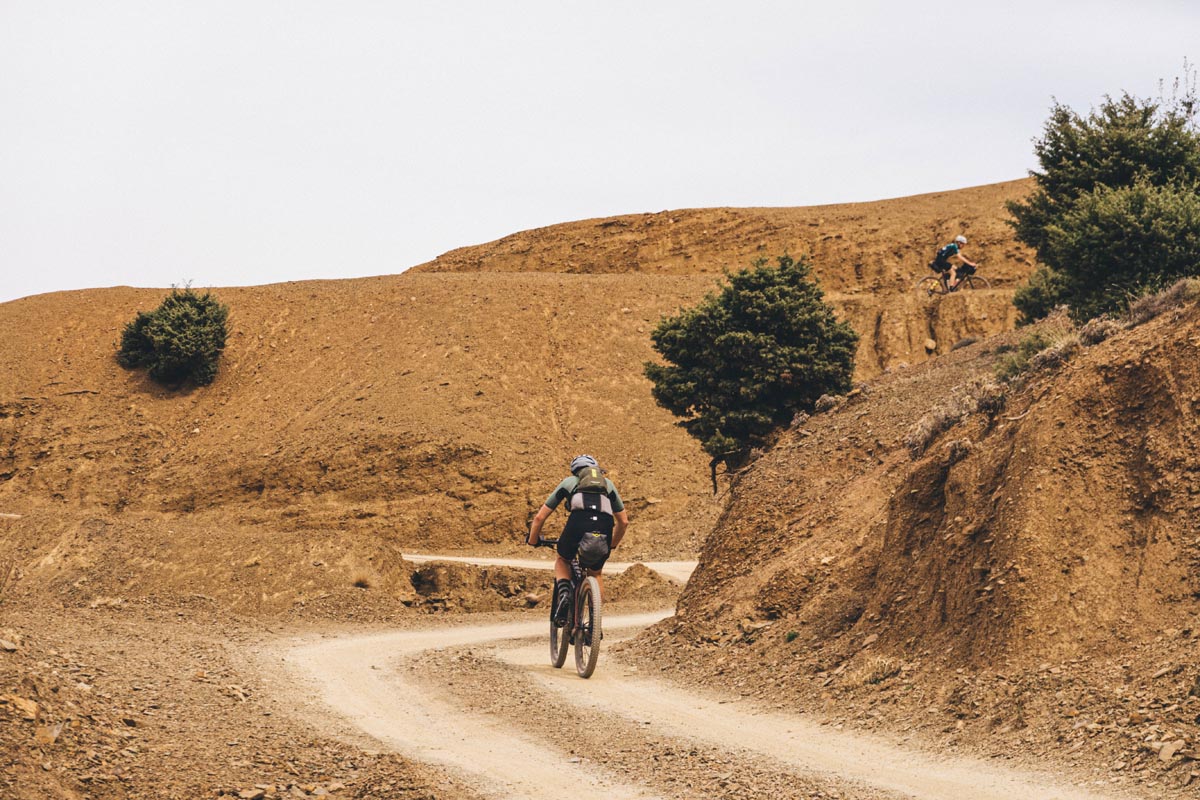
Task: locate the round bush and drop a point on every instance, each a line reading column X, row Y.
column 181, row 340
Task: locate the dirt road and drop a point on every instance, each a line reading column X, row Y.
column 483, row 701
column 357, row 677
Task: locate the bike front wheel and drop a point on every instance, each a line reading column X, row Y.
column 560, row 640
column 974, row 282
column 588, row 632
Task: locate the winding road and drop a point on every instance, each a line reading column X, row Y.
column 380, row 685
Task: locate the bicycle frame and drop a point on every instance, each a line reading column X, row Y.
column 583, row 627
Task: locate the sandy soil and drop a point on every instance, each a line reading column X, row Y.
column 473, row 711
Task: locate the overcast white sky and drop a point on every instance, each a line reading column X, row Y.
column 148, row 142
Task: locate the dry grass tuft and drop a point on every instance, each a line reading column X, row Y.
column 876, row 671
column 827, row 402
column 1056, row 354
column 984, row 396
column 1149, row 306
column 1057, row 335
column 1095, row 331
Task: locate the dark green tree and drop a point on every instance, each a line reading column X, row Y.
column 1123, row 242
column 180, row 340
column 744, row 361
column 1126, row 160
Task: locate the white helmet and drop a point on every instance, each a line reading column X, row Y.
column 579, row 462
column 960, row 239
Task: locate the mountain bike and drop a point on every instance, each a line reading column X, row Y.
column 940, row 284
column 582, row 627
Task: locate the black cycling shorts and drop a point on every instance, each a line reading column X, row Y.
column 579, row 523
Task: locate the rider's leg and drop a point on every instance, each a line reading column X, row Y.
column 562, row 570
column 953, row 276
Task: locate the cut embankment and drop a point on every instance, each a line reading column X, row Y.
column 675, row 570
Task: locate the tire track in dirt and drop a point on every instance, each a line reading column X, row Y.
column 680, row 768
column 354, row 678
column 361, row 679
column 793, row 741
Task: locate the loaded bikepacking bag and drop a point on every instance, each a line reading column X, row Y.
column 591, row 492
column 593, row 550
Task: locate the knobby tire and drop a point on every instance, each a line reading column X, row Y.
column 560, row 640
column 588, row 632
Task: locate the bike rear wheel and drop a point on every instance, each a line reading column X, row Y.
column 929, row 285
column 588, row 632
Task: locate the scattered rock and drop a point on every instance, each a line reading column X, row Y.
column 46, row 735
column 236, row 692
column 1169, row 749
column 28, row 709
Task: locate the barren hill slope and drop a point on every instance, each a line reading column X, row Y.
column 428, row 410
column 877, row 247
column 1032, row 580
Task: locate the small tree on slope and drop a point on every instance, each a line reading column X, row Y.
column 180, row 340
column 744, row 361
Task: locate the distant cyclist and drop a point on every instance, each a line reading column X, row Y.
column 950, row 269
column 596, row 508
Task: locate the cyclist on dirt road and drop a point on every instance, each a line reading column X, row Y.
column 941, row 262
column 595, row 506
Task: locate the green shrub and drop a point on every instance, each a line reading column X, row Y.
column 744, row 361
column 180, row 340
column 1053, row 344
column 1017, row 361
column 1114, row 206
column 1045, row 291
column 1117, row 243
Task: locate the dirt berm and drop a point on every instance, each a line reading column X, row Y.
column 1032, row 580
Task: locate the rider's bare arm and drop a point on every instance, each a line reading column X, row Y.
column 535, row 528
column 621, row 522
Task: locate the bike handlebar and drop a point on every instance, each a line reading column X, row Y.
column 546, row 543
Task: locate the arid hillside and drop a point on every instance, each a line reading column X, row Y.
column 428, row 410
column 873, row 248
column 1032, row 578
